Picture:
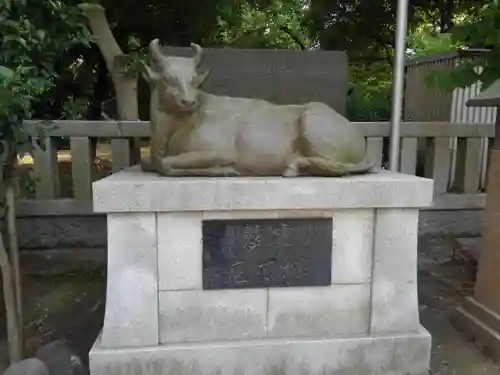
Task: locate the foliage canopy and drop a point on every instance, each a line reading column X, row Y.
column 481, row 31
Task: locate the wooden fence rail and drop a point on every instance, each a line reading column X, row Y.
column 434, row 162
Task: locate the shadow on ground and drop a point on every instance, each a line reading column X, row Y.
column 65, row 303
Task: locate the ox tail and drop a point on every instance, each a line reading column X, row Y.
column 320, row 166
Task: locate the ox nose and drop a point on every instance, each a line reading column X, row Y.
column 188, row 103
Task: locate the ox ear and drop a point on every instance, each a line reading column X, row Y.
column 149, row 75
column 200, row 78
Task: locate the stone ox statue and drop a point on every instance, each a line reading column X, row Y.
column 194, row 133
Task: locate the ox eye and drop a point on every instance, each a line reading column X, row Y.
column 170, row 80
column 196, row 81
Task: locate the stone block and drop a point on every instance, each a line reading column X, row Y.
column 28, row 366
column 192, row 315
column 279, row 76
column 132, row 190
column 407, row 354
column 266, row 214
column 131, row 317
column 480, row 325
column 352, row 246
column 66, row 232
column 336, row 310
column 179, row 251
column 394, row 307
column 395, row 245
column 56, row 232
column 394, row 286
column 60, row 359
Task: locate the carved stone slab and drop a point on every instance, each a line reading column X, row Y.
column 266, row 253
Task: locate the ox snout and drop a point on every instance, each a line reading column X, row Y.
column 188, row 103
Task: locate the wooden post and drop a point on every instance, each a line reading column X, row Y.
column 479, row 316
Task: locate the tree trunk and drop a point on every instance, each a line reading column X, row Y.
column 9, row 291
column 100, row 91
column 10, row 197
column 9, row 255
column 13, row 334
column 124, row 81
column 128, row 108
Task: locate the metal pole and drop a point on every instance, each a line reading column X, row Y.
column 398, row 84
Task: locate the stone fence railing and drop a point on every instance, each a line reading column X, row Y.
column 459, row 177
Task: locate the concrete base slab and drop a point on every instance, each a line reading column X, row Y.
column 405, row 354
column 480, row 324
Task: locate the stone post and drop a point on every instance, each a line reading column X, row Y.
column 479, row 316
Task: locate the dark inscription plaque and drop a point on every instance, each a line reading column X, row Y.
column 266, row 253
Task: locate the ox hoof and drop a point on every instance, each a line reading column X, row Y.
column 291, row 171
column 229, row 172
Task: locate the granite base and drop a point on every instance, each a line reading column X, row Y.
column 404, row 354
column 161, row 320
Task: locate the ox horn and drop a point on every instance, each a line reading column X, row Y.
column 198, row 53
column 154, row 49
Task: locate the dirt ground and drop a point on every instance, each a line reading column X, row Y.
column 446, row 275
column 66, row 303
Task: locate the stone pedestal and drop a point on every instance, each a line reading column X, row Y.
column 160, row 320
column 479, row 317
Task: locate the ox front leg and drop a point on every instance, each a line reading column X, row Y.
column 199, row 163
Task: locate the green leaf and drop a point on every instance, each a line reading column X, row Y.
column 11, row 23
column 41, row 34
column 15, row 38
column 6, row 72
column 489, row 75
column 86, row 7
column 44, row 126
column 20, row 135
column 6, row 95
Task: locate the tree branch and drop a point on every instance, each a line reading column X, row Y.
column 389, row 56
column 294, row 37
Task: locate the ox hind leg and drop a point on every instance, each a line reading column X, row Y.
column 319, row 166
column 327, row 145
